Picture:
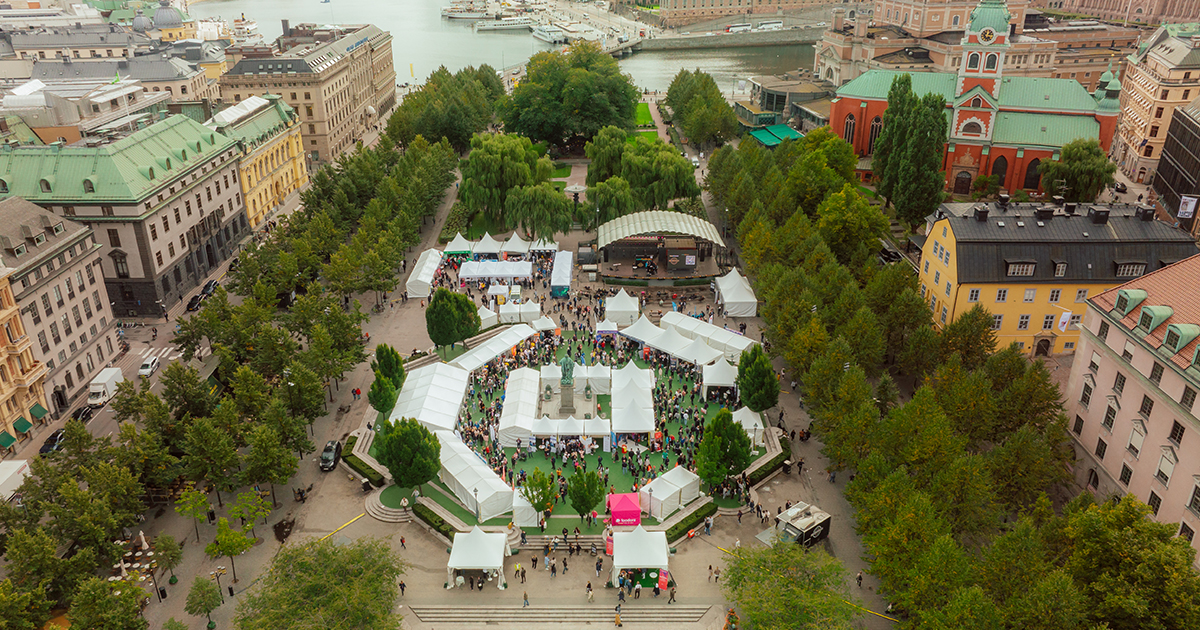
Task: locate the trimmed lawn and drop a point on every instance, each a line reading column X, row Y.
column 480, row 224
column 643, row 115
column 560, row 186
column 648, row 134
column 391, row 496
column 561, row 173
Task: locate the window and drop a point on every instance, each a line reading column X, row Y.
column 1081, row 295
column 848, row 129
column 1130, row 270
column 1156, row 372
column 1103, row 332
column 1119, row 383
column 1172, row 339
column 947, row 288
column 1047, row 322
column 1146, row 320
column 1086, row 396
column 153, row 232
column 1069, row 345
column 990, row 64
column 1147, row 406
column 1126, row 474
column 1188, row 398
column 1021, row 269
column 122, row 266
column 1158, row 112
column 973, row 295
column 997, row 321
column 973, row 61
column 1023, row 322
column 1030, row 295
column 937, row 277
column 1186, row 532
column 1101, row 448
column 158, row 258
column 114, row 238
column 972, row 127
column 1002, row 295
column 1073, row 322
column 1137, row 437
column 926, row 265
column 1176, row 435
column 1078, row 428
column 1154, row 502
column 1110, row 416
column 944, row 314
column 1154, row 131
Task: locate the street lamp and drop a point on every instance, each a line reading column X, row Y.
column 650, row 503
column 574, row 190
column 216, row 575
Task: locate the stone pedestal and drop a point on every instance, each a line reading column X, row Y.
column 567, row 400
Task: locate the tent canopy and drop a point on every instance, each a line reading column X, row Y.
column 470, row 478
column 632, row 375
column 659, row 498
column 701, row 353
column 733, row 290
column 544, row 323
column 725, row 340
column 687, row 481
column 543, row 245
column 719, row 374
column 530, row 311
column 640, row 549
column 656, row 222
column 421, row 279
column 487, row 317
column 494, row 347
column 643, row 330
column 487, row 245
column 752, row 422
column 670, row 342
column 560, row 276
column 475, row 269
column 433, row 396
column 606, row 327
column 459, row 245
column 478, row 549
column 625, row 510
column 515, row 245
column 621, row 308
column 520, row 407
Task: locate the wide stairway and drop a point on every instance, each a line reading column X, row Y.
column 538, row 543
column 663, row 616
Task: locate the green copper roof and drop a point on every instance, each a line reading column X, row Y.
column 784, row 132
column 262, row 124
column 127, row 170
column 765, row 137
column 1015, row 92
column 990, row 13
column 1042, row 130
column 1186, row 29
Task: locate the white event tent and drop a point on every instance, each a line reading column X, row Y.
column 606, row 327
column 478, row 550
column 530, row 311
column 474, row 482
column 459, row 245
column 670, row 342
column 520, row 407
column 494, row 347
column 639, row 549
column 544, row 323
column 621, row 308
column 633, row 411
column 487, row 317
column 701, row 353
column 476, row 269
column 727, row 341
column 510, row 313
column 523, row 513
column 551, row 375
column 643, row 330
column 597, row 375
column 752, row 422
column 543, row 245
column 421, row 278
column 734, row 292
column 560, row 275
column 432, row 395
column 487, row 246
column 687, row 481
column 515, row 245
column 671, row 491
column 719, row 374
column 632, row 375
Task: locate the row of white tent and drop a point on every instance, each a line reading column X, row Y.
column 598, row 377
column 478, row 356
column 472, row 480
column 621, row 309
column 476, row 269
column 433, row 396
column 488, row 245
column 670, row 341
column 727, row 341
column 735, row 294
column 420, row 281
column 674, row 489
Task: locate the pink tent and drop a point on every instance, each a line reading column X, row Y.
column 625, row 509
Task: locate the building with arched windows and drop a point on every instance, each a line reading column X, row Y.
column 998, row 126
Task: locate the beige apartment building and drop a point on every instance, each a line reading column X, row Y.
column 339, row 79
column 1163, row 74
column 22, row 396
column 58, row 283
column 81, row 42
column 1132, row 11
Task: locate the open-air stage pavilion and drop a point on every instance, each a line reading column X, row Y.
column 658, row 244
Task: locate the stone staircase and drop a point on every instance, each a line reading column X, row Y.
column 381, row 512
column 537, row 543
column 659, row 614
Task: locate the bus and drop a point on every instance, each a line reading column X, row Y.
column 737, row 28
column 771, row 25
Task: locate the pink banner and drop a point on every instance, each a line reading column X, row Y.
column 608, row 544
column 662, row 579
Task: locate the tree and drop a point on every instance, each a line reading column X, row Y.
column 865, row 336
column 23, row 610
column 890, row 146
column 167, row 552
column 230, row 543
column 269, row 460
column 451, row 318
column 756, row 380
column 538, row 489
column 921, row 179
column 850, row 226
column 921, row 351
column 173, row 624
column 203, row 598
column 700, row 109
column 309, row 585
column 102, row 605
column 541, row 210
column 382, row 394
column 1081, row 172
column 724, row 450
column 303, row 393
column 250, row 507
column 185, row 393
column 389, row 362
column 657, row 173
column 970, row 335
column 786, row 586
column 34, row 565
column 193, row 503
column 604, row 154
column 411, row 453
column 565, row 95
column 611, row 199
column 585, row 490
column 209, row 454
column 497, row 165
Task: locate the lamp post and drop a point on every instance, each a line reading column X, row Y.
column 650, row 503
column 574, row 190
column 216, row 575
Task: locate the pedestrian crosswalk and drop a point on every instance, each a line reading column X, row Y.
column 164, row 354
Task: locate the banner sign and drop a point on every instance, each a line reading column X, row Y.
column 1187, row 207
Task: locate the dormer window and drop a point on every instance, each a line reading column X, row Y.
column 1153, row 316
column 88, row 186
column 3, row 186
column 19, row 250
column 38, row 239
column 1130, row 269
column 58, row 228
column 1179, row 336
column 45, row 185
column 1021, row 269
column 1060, row 269
column 976, row 102
column 1129, row 299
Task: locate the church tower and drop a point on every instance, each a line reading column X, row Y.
column 984, row 45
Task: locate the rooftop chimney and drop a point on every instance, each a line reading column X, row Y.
column 1058, row 200
column 286, row 28
column 1098, row 216
column 981, row 213
column 1044, row 213
column 1145, row 213
column 839, row 19
column 1070, row 208
column 1004, row 200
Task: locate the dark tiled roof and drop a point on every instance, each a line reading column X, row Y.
column 148, row 68
column 1174, row 286
column 18, row 214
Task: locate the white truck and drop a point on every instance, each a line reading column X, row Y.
column 104, row 386
column 12, row 474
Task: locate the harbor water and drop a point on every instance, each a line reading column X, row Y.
column 423, row 40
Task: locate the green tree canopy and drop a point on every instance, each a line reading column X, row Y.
column 788, row 587
column 103, row 605
column 451, row 317
column 541, row 211
column 203, row 598
column 451, row 106
column 1081, row 173
column 724, row 450
column 756, row 379
column 411, row 452
column 382, row 394
column 498, row 164
column 538, row 489
column 585, row 490
column 700, row 109
column 230, row 543
column 907, row 159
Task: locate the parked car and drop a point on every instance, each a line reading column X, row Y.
column 82, row 414
column 209, row 287
column 52, row 443
column 331, row 455
column 194, row 303
column 695, row 162
column 1120, row 187
column 149, row 367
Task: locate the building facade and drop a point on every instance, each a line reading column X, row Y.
column 1132, row 392
column 340, row 80
column 1179, row 165
column 998, row 125
column 1034, row 267
column 1130, row 11
column 69, row 110
column 57, row 280
column 927, row 37
column 683, row 12
column 165, row 201
column 22, row 377
column 272, row 161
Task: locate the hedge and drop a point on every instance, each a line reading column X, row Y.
column 457, row 222
column 693, row 282
column 363, row 470
column 760, row 473
column 680, row 529
column 627, row 282
column 431, row 518
column 350, row 441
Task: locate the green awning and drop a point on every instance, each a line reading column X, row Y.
column 784, row 132
column 765, row 137
column 22, row 425
column 6, row 440
column 38, row 411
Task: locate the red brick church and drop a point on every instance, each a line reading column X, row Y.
column 1003, row 126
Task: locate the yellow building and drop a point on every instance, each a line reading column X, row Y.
column 1034, row 266
column 22, row 391
column 272, row 162
column 172, row 24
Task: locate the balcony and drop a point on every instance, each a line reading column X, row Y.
column 17, row 346
column 32, row 376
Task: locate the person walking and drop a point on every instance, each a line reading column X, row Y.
column 564, row 566
column 517, row 571
column 717, row 574
column 553, row 569
column 402, row 587
column 637, row 590
column 710, row 572
column 535, row 563
column 526, row 602
column 671, row 599
column 599, row 566
column 858, row 578
column 618, row 619
column 522, row 575
column 402, row 543
column 621, row 595
column 739, row 517
column 590, row 595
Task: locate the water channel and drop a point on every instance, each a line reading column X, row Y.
column 422, row 40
